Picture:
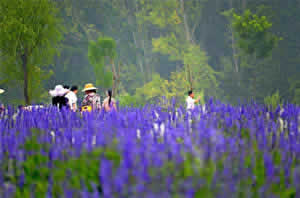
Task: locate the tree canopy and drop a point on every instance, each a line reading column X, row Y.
column 29, row 35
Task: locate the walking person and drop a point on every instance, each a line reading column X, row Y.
column 72, row 98
column 91, row 100
column 58, row 97
column 190, row 101
column 109, row 103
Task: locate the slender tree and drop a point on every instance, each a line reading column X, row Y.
column 254, row 38
column 30, row 31
column 100, row 52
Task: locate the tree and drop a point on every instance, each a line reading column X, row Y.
column 100, row 52
column 163, row 90
column 295, row 90
column 30, row 31
column 180, row 44
column 254, row 38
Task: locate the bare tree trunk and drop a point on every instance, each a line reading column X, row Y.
column 185, row 22
column 254, row 78
column 135, row 32
column 24, row 59
column 244, row 4
column 189, row 39
column 234, row 51
column 135, row 39
column 190, row 77
column 115, row 78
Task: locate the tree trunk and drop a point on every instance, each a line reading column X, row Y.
column 185, row 23
column 254, row 78
column 115, row 78
column 189, row 40
column 234, row 51
column 244, row 4
column 190, row 77
column 24, row 59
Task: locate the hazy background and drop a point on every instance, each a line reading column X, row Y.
column 157, row 39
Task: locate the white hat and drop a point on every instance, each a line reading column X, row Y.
column 58, row 91
column 2, row 91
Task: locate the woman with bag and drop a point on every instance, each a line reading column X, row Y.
column 91, row 100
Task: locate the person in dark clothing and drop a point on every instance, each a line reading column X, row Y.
column 60, row 101
column 66, row 87
column 58, row 97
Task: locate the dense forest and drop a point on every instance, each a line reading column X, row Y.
column 163, row 48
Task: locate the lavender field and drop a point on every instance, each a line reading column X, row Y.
column 216, row 151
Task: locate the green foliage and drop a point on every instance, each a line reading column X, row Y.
column 191, row 167
column 36, row 87
column 256, row 40
column 168, row 45
column 28, row 25
column 101, row 51
column 126, row 100
column 197, row 72
column 255, row 36
column 70, row 171
column 204, row 77
column 296, row 98
column 130, row 79
column 153, row 91
column 161, row 13
column 273, row 100
column 29, row 35
column 295, row 90
column 160, row 89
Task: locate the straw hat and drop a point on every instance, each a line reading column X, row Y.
column 2, row 91
column 89, row 87
column 58, row 91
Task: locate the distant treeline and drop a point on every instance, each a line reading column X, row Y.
column 165, row 48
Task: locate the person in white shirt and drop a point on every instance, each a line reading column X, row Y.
column 72, row 98
column 190, row 101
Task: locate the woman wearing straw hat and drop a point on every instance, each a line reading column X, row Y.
column 91, row 100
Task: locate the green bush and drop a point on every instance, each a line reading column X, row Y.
column 70, row 171
column 273, row 100
column 128, row 100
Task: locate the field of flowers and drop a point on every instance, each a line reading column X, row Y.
column 216, row 151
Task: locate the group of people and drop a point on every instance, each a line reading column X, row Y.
column 64, row 97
